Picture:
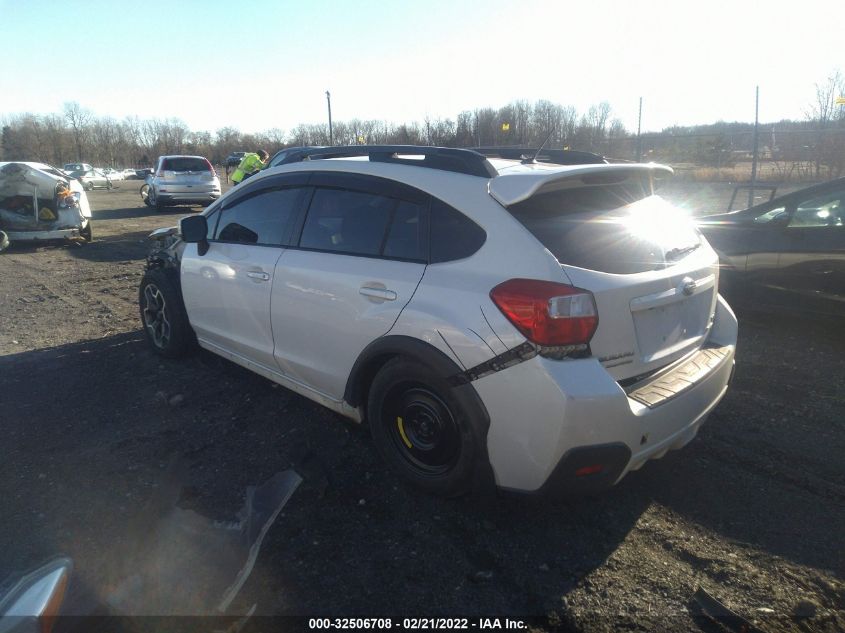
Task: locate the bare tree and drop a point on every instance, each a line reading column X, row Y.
column 823, row 110
column 78, row 118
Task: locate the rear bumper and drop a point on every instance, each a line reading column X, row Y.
column 192, row 196
column 549, row 419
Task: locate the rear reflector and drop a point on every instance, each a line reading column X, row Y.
column 589, row 470
column 548, row 313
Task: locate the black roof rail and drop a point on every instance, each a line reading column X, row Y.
column 462, row 161
column 556, row 156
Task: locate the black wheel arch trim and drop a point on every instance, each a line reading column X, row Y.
column 390, row 346
column 396, row 345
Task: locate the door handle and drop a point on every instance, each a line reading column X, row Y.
column 258, row 275
column 378, row 293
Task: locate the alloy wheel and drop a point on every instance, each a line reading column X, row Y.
column 155, row 316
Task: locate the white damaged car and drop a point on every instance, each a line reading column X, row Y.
column 41, row 202
column 537, row 326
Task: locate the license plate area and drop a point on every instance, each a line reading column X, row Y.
column 664, row 329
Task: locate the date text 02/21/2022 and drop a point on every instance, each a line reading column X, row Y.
column 416, row 624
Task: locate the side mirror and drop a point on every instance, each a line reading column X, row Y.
column 194, row 230
column 781, row 221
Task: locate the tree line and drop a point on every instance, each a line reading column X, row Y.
column 76, row 134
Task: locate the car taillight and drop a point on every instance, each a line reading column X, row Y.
column 210, row 168
column 548, row 313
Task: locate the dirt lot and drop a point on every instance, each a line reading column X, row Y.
column 753, row 510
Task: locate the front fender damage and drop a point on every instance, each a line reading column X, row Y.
column 166, row 250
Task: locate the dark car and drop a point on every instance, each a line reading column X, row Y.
column 234, row 159
column 788, row 252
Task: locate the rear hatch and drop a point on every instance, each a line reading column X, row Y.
column 654, row 279
column 187, row 174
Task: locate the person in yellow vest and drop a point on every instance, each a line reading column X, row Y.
column 250, row 165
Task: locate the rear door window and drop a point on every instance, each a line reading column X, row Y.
column 344, row 221
column 264, row 218
column 407, row 237
column 827, row 210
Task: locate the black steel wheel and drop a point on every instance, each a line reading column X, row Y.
column 422, row 429
column 427, row 434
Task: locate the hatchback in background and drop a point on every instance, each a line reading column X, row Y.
column 92, row 179
column 181, row 180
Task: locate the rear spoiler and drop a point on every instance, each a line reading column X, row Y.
column 509, row 189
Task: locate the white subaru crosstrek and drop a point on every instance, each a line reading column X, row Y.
column 535, row 325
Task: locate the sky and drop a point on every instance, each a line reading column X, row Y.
column 257, row 65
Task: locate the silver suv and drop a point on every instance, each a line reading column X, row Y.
column 531, row 324
column 181, row 180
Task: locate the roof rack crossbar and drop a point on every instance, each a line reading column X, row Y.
column 462, row 161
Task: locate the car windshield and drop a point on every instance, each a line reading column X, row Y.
column 185, row 163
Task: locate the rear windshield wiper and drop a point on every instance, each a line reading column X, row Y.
column 676, row 253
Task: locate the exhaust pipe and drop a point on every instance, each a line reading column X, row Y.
column 4, row 241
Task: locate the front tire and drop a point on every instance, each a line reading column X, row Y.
column 163, row 315
column 88, row 186
column 422, row 430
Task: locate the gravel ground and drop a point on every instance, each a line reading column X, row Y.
column 752, row 510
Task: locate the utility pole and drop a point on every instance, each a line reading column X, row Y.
column 639, row 127
column 329, row 101
column 754, row 156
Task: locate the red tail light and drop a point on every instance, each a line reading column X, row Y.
column 548, row 313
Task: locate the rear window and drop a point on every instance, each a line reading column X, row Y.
column 185, row 164
column 619, row 229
